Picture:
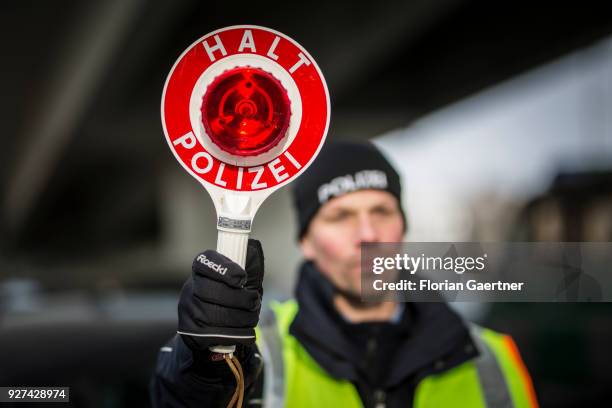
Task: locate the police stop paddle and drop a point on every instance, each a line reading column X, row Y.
column 245, row 110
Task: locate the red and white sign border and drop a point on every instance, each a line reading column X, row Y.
column 243, row 204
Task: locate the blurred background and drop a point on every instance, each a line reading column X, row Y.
column 499, row 116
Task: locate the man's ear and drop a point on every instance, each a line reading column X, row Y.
column 307, row 247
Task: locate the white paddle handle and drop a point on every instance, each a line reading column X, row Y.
column 233, row 244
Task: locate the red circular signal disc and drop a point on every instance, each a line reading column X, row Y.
column 277, row 49
column 246, row 111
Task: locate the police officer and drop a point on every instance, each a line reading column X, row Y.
column 326, row 348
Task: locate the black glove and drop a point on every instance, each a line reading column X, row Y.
column 220, row 303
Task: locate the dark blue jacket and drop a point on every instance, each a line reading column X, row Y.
column 385, row 360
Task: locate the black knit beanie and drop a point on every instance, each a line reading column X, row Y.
column 340, row 168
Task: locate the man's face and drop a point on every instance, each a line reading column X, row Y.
column 335, row 233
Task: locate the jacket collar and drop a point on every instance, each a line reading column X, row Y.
column 428, row 338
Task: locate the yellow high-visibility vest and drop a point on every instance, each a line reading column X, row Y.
column 496, row 378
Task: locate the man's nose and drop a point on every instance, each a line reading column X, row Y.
column 367, row 229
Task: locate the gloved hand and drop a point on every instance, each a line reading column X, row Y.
column 220, row 303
